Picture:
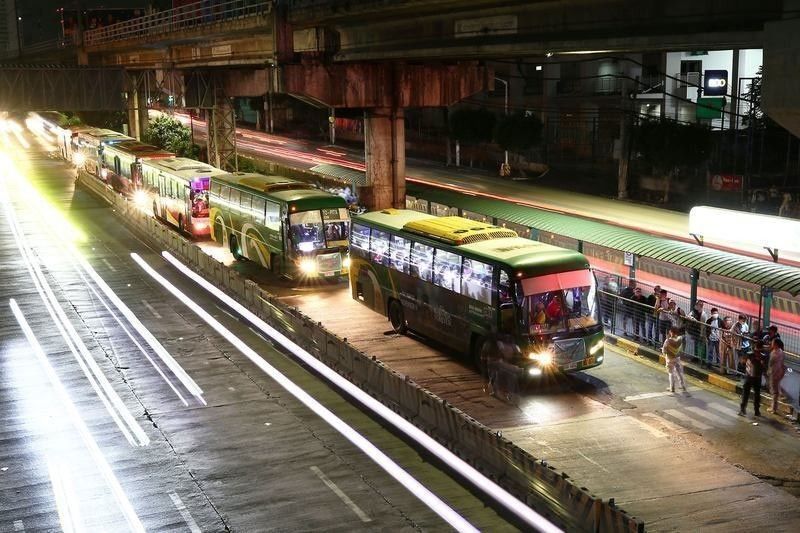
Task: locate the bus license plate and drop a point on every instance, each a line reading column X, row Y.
column 588, row 361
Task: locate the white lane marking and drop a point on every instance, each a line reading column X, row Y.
column 674, row 413
column 231, row 389
column 725, row 410
column 176, row 500
column 342, row 496
column 646, row 395
column 151, row 309
column 711, row 417
column 672, row 426
column 18, row 525
column 648, row 427
column 227, row 313
column 595, row 463
column 106, row 263
column 66, row 504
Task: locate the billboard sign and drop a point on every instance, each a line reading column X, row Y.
column 715, row 83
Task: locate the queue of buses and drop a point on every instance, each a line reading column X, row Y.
column 478, row 288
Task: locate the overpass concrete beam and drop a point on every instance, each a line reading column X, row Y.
column 379, row 85
column 385, row 150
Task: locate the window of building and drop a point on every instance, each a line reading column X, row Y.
column 447, row 270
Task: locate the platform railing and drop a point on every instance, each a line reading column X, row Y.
column 180, row 18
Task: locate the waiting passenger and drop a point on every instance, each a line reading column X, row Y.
column 555, row 309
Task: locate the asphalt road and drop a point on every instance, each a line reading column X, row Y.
column 243, row 455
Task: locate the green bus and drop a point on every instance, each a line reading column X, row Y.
column 479, row 289
column 286, row 226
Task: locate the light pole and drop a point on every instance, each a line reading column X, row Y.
column 505, row 112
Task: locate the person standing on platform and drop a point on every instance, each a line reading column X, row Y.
column 695, row 329
column 714, row 324
column 671, row 349
column 663, row 316
column 652, row 316
column 640, row 311
column 727, row 357
column 627, row 306
column 754, row 368
column 775, row 373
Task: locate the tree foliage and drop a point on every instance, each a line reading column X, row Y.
column 755, row 115
column 169, row 134
column 518, row 132
column 667, row 144
column 472, row 126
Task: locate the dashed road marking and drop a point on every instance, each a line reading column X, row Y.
column 646, row 395
column 342, row 496
column 18, row 525
column 176, row 500
column 151, row 309
column 658, row 433
column 672, row 426
column 106, row 263
column 711, row 417
column 724, row 409
column 674, row 413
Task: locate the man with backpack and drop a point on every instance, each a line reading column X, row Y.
column 714, row 324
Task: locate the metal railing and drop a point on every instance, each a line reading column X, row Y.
column 180, row 18
column 640, row 322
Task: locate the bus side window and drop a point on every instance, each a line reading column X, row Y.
column 421, row 261
column 259, row 207
column 401, row 253
column 359, row 240
column 224, row 191
column 379, row 247
column 447, row 270
column 476, row 280
column 245, row 204
column 506, row 302
column 273, row 216
column 215, row 188
column 234, row 198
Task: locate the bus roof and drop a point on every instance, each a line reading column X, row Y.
column 528, row 256
column 183, row 167
column 141, row 150
column 103, row 135
column 282, row 189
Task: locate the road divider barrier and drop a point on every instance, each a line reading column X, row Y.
column 552, row 494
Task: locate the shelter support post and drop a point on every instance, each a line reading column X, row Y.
column 384, row 150
column 766, row 297
column 694, row 278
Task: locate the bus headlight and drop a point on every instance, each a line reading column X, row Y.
column 140, row 199
column 308, row 267
column 346, row 262
column 596, row 348
column 534, row 371
column 79, row 160
column 543, row 358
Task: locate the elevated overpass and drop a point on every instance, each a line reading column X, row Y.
column 382, row 56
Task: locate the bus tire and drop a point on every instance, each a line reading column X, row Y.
column 233, row 244
column 482, row 350
column 397, row 317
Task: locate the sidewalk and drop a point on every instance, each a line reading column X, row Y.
column 635, row 351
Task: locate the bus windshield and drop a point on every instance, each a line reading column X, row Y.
column 559, row 302
column 313, row 230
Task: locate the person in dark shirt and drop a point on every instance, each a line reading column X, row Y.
column 754, row 369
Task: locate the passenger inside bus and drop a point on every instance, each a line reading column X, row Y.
column 538, row 315
column 555, row 308
column 199, row 203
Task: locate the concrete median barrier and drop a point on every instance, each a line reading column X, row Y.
column 537, row 484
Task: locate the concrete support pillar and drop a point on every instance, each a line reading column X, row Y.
column 385, row 154
column 222, row 132
column 138, row 119
column 694, row 279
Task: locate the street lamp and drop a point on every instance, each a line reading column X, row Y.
column 505, row 112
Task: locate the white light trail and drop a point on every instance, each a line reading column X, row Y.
column 162, row 353
column 111, row 400
column 392, row 468
column 66, row 503
column 497, row 493
column 97, row 455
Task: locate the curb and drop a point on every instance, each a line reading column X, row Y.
column 712, row 378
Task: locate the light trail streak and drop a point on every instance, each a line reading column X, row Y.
column 97, row 455
column 66, row 503
column 392, row 468
column 488, row 487
column 108, row 396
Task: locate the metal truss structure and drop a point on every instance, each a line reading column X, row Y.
column 46, row 87
column 204, row 90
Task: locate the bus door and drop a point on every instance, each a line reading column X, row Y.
column 136, row 175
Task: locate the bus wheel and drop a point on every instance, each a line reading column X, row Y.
column 397, row 317
column 482, row 351
column 233, row 244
